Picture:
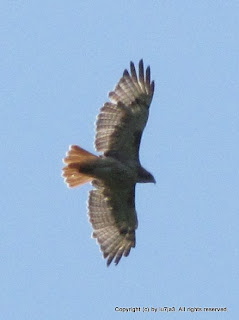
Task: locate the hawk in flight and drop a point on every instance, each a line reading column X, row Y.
column 114, row 174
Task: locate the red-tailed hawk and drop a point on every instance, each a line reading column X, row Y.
column 119, row 127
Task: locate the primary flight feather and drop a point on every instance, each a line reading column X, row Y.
column 114, row 174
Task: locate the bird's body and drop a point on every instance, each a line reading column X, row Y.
column 115, row 173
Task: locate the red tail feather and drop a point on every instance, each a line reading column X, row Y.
column 76, row 160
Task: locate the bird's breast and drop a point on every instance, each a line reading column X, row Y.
column 113, row 171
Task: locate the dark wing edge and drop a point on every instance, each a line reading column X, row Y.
column 113, row 219
column 121, row 121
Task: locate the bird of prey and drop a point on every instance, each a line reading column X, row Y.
column 114, row 173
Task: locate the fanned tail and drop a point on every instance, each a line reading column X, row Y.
column 78, row 161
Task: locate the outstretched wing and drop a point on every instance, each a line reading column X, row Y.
column 121, row 121
column 113, row 218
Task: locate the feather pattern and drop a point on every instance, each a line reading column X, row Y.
column 113, row 221
column 121, row 121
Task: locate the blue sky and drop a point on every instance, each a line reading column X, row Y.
column 58, row 61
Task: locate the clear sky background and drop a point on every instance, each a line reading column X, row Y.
column 58, row 60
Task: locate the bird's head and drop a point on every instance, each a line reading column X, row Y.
column 144, row 176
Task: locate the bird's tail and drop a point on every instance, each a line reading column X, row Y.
column 79, row 164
